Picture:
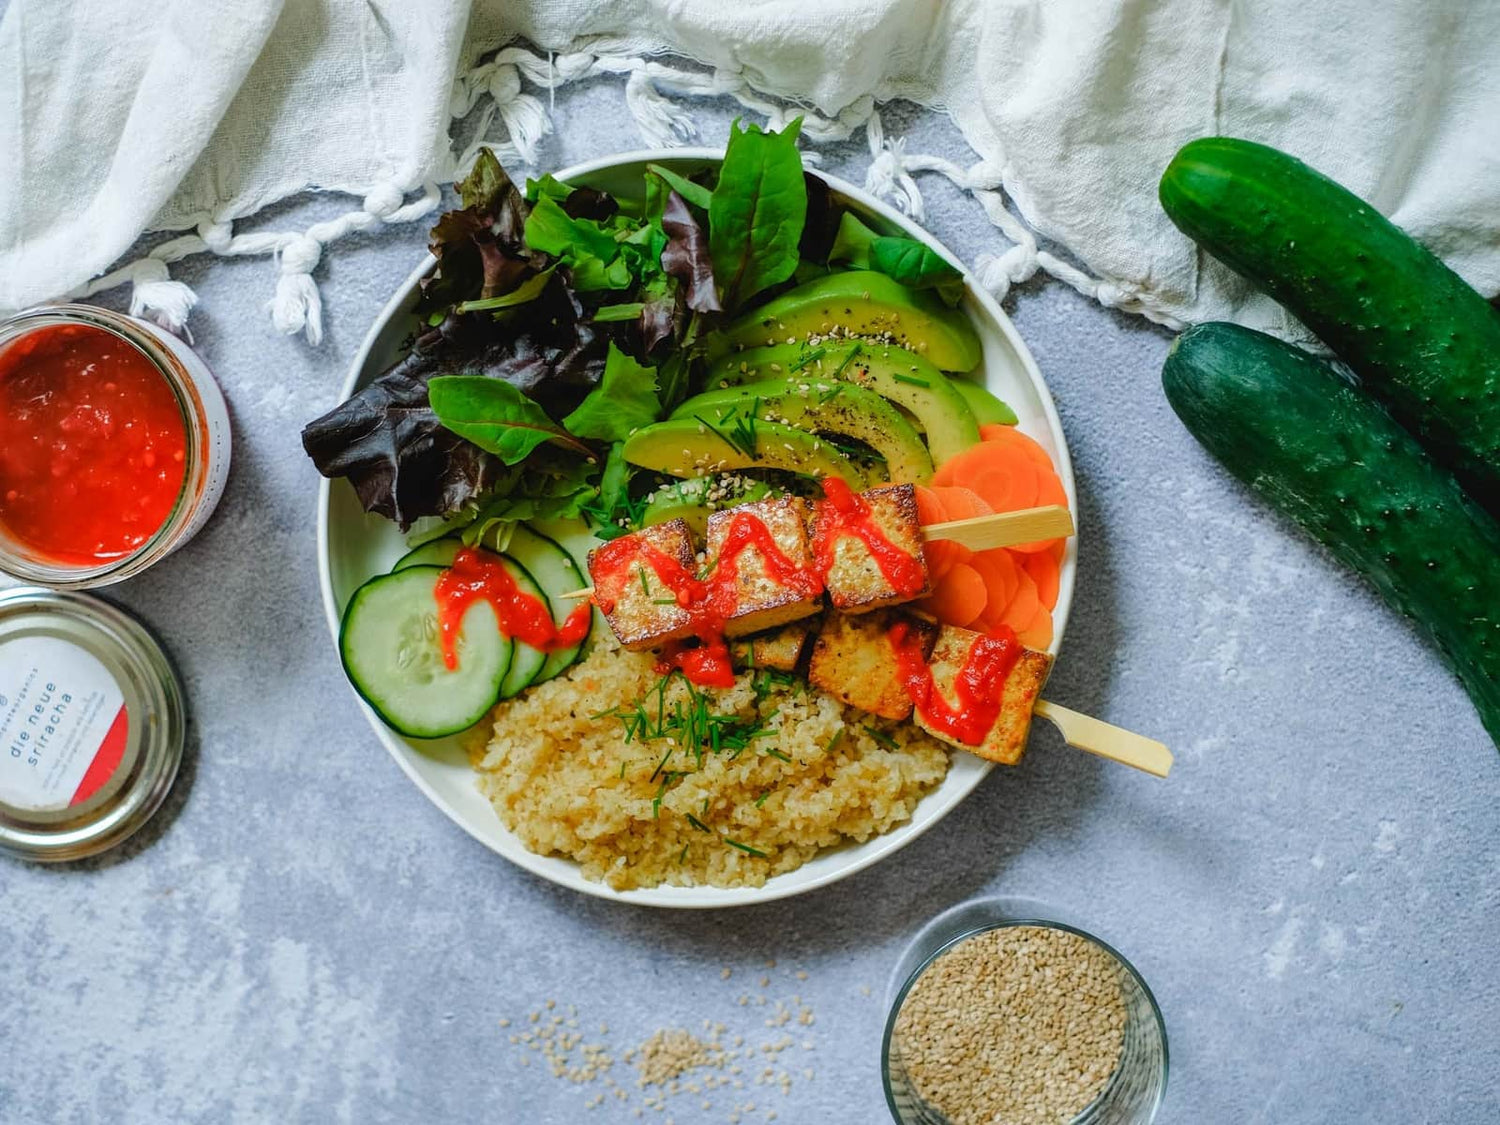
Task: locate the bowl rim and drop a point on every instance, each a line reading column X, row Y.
column 860, row 855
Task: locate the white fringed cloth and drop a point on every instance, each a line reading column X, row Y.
column 191, row 117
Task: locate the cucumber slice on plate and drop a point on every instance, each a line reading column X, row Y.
column 437, row 552
column 557, row 574
column 389, row 646
column 527, row 664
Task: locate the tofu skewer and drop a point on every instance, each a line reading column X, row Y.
column 855, row 657
column 981, row 533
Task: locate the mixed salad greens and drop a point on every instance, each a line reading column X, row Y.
column 559, row 322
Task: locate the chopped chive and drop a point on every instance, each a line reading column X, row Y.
column 683, row 857
column 661, row 765
column 656, row 803
column 622, row 769
column 663, row 601
column 830, row 394
column 698, row 824
column 705, row 806
column 744, row 847
column 912, row 379
column 847, row 360
column 881, row 737
column 808, row 357
column 838, row 736
column 762, row 798
column 775, row 753
column 645, row 584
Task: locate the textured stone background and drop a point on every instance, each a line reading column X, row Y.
column 300, row 936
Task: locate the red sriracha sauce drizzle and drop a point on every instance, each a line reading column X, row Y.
column 709, row 664
column 476, row 576
column 713, row 600
column 979, row 686
column 845, row 512
column 93, row 445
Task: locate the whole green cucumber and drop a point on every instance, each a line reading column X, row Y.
column 1422, row 340
column 1326, row 454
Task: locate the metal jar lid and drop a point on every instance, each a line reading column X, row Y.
column 91, row 724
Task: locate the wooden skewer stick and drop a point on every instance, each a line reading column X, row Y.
column 981, row 533
column 1004, row 529
column 1112, row 742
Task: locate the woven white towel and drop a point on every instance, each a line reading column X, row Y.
column 188, row 116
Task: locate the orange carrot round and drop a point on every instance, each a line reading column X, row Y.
column 1038, row 634
column 1000, row 573
column 1023, row 606
column 1046, row 571
column 959, row 597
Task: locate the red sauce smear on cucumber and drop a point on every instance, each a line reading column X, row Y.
column 979, row 685
column 480, row 576
column 93, row 445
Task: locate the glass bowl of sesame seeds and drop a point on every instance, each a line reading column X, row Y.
column 1001, row 1016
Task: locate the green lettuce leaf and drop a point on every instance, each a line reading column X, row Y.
column 623, row 402
column 757, row 211
column 497, row 417
column 696, row 194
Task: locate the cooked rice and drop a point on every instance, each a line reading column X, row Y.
column 553, row 773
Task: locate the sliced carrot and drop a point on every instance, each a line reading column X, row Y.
column 1009, row 435
column 1002, row 473
column 1023, row 606
column 1038, row 634
column 939, row 554
column 1045, row 570
column 929, row 506
column 959, row 597
column 960, row 503
column 1000, row 573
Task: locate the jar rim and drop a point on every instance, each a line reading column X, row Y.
column 139, row 336
column 152, row 698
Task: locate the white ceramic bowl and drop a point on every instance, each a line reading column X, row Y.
column 353, row 546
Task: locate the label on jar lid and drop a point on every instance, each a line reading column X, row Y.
column 63, row 724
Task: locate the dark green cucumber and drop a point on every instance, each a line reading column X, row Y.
column 1327, row 455
column 1422, row 340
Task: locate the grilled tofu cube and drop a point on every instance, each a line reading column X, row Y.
column 640, row 608
column 854, row 661
column 855, row 581
column 1006, row 740
column 779, row 650
column 762, row 600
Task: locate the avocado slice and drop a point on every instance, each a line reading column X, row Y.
column 825, row 405
column 988, row 409
column 863, row 303
column 900, row 376
column 689, row 500
column 688, row 447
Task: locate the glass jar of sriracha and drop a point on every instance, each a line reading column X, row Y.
column 114, row 445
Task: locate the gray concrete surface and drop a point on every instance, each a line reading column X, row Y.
column 1314, row 896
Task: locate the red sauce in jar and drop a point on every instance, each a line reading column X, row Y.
column 979, row 686
column 478, row 575
column 93, row 446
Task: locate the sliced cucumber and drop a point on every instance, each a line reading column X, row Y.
column 576, row 538
column 527, row 664
column 437, row 552
column 557, row 574
column 390, row 649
